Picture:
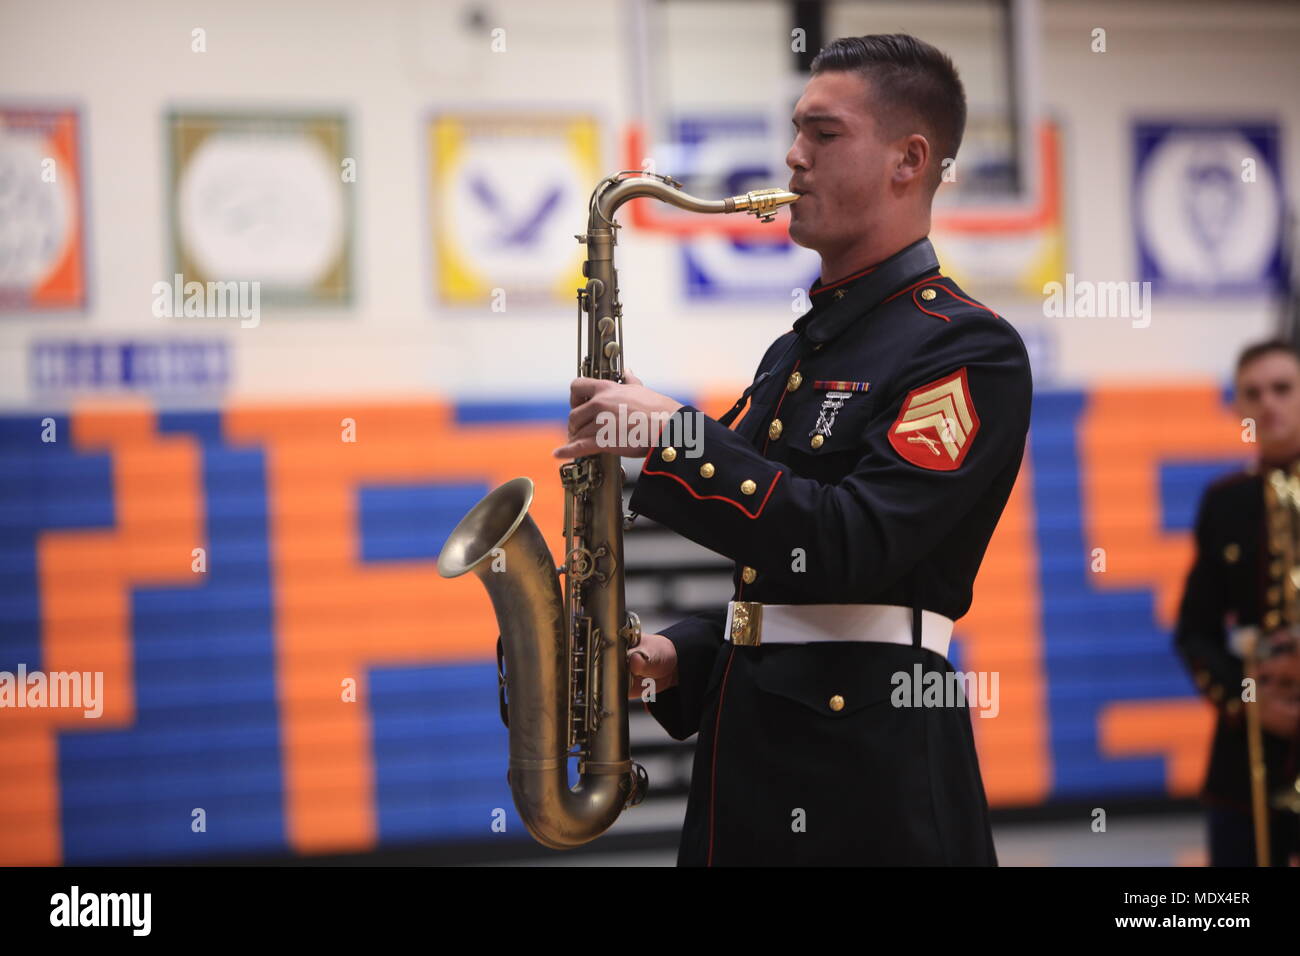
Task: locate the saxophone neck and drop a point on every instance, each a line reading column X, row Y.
column 599, row 310
column 615, row 190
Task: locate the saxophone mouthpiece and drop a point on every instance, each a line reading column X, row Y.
column 763, row 203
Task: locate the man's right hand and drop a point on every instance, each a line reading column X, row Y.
column 654, row 659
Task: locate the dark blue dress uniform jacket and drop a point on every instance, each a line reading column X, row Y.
column 882, row 439
column 1227, row 581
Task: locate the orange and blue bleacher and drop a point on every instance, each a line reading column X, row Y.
column 227, row 688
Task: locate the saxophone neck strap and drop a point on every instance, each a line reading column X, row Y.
column 735, row 409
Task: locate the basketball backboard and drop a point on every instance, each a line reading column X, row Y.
column 714, row 82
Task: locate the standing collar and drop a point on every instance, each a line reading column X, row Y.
column 837, row 304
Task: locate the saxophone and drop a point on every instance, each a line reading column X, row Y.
column 562, row 654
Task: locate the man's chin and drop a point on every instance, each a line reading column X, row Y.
column 801, row 235
column 1277, row 444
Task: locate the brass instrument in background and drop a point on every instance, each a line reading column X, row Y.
column 1281, row 624
column 1255, row 754
column 562, row 658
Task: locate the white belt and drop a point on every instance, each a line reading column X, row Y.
column 751, row 623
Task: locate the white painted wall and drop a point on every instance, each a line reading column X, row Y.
column 387, row 63
column 1164, row 60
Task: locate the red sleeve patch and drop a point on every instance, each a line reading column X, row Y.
column 936, row 424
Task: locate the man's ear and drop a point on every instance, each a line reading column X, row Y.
column 913, row 160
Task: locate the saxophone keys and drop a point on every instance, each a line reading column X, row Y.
column 638, row 784
column 631, row 631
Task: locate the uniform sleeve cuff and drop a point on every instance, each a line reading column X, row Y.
column 701, row 460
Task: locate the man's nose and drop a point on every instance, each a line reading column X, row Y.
column 794, row 158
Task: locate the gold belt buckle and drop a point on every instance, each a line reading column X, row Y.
column 747, row 623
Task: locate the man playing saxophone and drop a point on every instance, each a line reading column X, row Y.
column 856, row 496
column 1236, row 591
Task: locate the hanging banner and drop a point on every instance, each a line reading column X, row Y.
column 1208, row 206
column 507, row 194
column 42, row 218
column 265, row 199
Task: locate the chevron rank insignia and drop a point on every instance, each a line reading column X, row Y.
column 936, row 424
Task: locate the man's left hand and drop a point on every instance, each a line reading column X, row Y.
column 596, row 405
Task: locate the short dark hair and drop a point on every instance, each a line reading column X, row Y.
column 912, row 82
column 1257, row 351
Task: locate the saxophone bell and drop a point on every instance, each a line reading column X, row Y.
column 499, row 541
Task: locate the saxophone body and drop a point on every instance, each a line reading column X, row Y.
column 562, row 650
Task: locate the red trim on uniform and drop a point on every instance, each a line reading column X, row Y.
column 713, row 776
column 839, row 282
column 917, row 303
column 730, row 501
column 784, row 393
column 929, row 278
column 967, row 301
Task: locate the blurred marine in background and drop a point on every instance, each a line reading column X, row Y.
column 1243, row 588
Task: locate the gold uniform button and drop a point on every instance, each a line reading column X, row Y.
column 748, row 575
column 1272, row 619
column 774, row 429
column 817, row 440
column 669, row 454
column 836, row 702
column 1233, row 707
column 747, row 487
column 928, row 294
column 1232, row 553
column 794, row 381
column 706, row 470
column 1202, row 679
column 1216, row 693
column 840, row 293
